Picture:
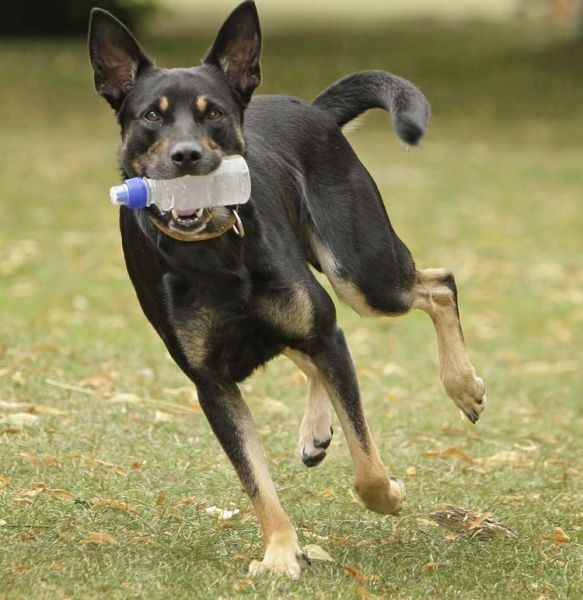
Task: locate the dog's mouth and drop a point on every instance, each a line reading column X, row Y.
column 185, row 221
column 189, row 220
column 192, row 225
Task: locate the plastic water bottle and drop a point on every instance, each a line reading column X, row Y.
column 227, row 185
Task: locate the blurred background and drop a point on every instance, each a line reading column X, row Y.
column 494, row 192
column 491, row 193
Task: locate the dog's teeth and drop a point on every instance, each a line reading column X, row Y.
column 175, row 215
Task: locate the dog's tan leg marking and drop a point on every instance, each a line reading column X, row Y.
column 290, row 311
column 282, row 553
column 379, row 492
column 346, row 291
column 316, row 425
column 434, row 296
column 194, row 333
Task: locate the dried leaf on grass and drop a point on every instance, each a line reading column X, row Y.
column 519, row 498
column 223, row 514
column 469, row 523
column 71, row 388
column 162, row 416
column 327, row 493
column 93, row 462
column 359, row 576
column 429, row 567
column 114, row 505
column 140, row 540
column 47, row 461
column 61, row 494
column 43, row 409
column 558, row 536
column 103, row 382
column 340, row 540
column 11, row 406
column 23, row 419
column 126, row 398
column 11, row 431
column 190, row 501
column 452, row 451
column 364, row 593
column 104, row 539
column 513, row 458
column 184, row 393
column 243, row 583
column 19, row 568
column 42, row 488
column 22, row 501
column 315, row 552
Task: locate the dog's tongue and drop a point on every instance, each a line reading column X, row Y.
column 184, row 212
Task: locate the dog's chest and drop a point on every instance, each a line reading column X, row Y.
column 238, row 340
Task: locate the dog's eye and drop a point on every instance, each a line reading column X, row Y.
column 214, row 114
column 153, row 116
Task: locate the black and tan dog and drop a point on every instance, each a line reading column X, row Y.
column 224, row 303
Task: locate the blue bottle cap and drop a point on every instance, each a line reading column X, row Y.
column 137, row 196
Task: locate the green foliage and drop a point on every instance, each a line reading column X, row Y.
column 111, row 428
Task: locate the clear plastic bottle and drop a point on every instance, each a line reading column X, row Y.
column 227, row 185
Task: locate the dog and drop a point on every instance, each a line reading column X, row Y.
column 225, row 303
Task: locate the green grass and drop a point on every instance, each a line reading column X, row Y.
column 494, row 193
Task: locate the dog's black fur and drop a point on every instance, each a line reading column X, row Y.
column 227, row 305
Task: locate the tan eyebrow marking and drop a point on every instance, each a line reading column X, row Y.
column 201, row 103
column 164, row 103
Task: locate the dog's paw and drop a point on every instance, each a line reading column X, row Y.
column 468, row 393
column 315, row 436
column 281, row 560
column 383, row 495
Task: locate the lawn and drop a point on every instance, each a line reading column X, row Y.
column 108, row 470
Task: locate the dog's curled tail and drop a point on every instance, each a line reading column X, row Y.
column 352, row 95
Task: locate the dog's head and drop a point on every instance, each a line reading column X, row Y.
column 177, row 122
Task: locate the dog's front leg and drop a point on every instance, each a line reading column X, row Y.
column 233, row 425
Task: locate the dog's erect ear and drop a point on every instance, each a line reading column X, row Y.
column 116, row 57
column 237, row 50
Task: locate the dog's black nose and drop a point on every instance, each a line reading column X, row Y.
column 186, row 154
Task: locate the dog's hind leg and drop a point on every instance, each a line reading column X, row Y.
column 387, row 283
column 436, row 294
column 316, row 426
column 233, row 425
column 331, row 358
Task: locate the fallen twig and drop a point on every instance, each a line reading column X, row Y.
column 468, row 523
